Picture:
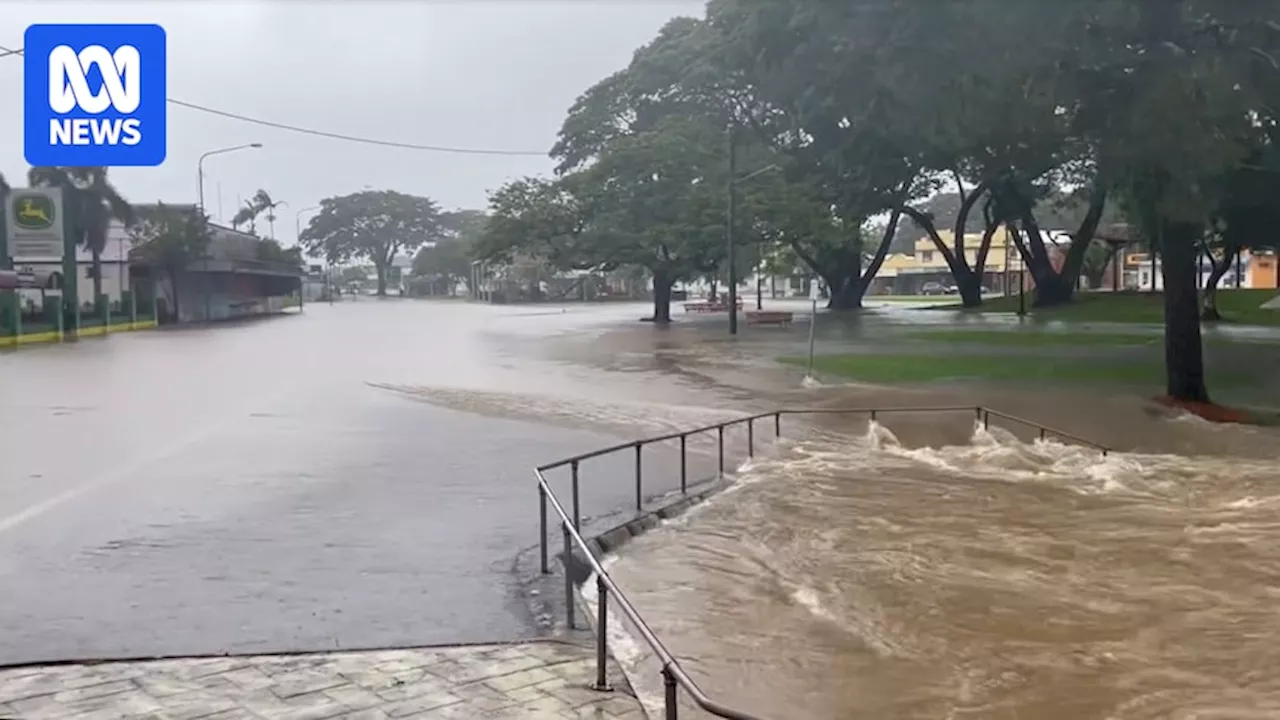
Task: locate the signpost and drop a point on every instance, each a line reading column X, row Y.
column 37, row 232
column 33, row 226
column 813, row 323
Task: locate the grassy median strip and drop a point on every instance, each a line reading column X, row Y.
column 925, row 368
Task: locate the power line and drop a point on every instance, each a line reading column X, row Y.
column 5, row 52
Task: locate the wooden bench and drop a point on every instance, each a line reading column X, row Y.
column 769, row 317
column 705, row 306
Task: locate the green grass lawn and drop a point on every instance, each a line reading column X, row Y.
column 924, row 368
column 1237, row 307
column 1035, row 338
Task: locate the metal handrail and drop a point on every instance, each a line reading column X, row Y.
column 673, row 675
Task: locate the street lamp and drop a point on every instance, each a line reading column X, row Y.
column 734, row 180
column 297, row 223
column 200, row 166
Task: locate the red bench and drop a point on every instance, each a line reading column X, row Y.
column 769, row 317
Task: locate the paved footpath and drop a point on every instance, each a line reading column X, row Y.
column 526, row 680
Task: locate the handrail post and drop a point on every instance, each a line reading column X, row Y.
column 986, row 419
column 720, row 436
column 1041, row 434
column 777, row 424
column 568, row 577
column 602, row 636
column 577, row 511
column 639, row 479
column 669, row 693
column 542, row 526
column 684, row 465
column 751, row 437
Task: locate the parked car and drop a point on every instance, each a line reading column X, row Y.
column 933, row 288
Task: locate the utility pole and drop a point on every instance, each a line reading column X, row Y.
column 729, row 226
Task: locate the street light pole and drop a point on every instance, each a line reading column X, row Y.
column 200, row 166
column 297, row 223
column 729, row 227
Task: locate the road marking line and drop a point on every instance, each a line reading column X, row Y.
column 119, row 472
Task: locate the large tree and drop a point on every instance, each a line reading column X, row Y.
column 1175, row 97
column 169, row 239
column 92, row 203
column 652, row 199
column 374, row 225
column 448, row 259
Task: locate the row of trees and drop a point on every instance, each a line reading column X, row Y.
column 1162, row 112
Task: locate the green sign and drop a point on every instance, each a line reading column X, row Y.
column 33, row 212
column 33, row 225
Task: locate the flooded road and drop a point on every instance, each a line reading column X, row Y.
column 280, row 484
column 360, row 476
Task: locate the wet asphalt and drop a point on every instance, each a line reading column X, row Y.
column 244, row 488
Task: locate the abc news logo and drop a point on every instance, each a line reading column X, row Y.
column 94, row 95
column 121, row 91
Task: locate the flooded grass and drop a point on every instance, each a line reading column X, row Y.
column 1036, row 338
column 1237, row 307
column 925, row 368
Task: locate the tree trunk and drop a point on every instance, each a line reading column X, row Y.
column 970, row 289
column 382, row 279
column 662, row 284
column 173, row 285
column 97, row 277
column 1183, row 350
column 1052, row 289
column 846, row 292
column 1209, row 310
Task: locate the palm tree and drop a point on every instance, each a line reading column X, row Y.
column 260, row 203
column 91, row 203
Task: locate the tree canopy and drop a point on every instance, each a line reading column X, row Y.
column 1035, row 117
column 374, row 225
column 169, row 239
column 447, row 260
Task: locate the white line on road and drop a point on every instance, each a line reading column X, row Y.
column 120, row 472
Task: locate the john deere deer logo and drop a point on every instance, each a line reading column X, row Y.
column 34, row 212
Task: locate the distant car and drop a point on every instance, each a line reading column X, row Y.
column 933, row 288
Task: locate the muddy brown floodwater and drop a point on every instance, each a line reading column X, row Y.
column 852, row 575
column 929, row 568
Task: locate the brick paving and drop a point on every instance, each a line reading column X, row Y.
column 527, row 680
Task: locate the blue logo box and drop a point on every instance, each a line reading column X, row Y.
column 94, row 95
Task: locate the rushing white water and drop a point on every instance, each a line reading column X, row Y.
column 857, row 577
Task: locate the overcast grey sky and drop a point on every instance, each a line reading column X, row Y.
column 473, row 73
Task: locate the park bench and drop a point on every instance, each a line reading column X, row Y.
column 704, row 306
column 780, row 318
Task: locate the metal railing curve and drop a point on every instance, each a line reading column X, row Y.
column 674, row 676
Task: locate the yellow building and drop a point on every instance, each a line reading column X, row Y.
column 904, row 274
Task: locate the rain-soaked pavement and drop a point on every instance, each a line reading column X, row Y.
column 249, row 488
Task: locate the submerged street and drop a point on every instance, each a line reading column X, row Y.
column 247, row 488
column 359, row 476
